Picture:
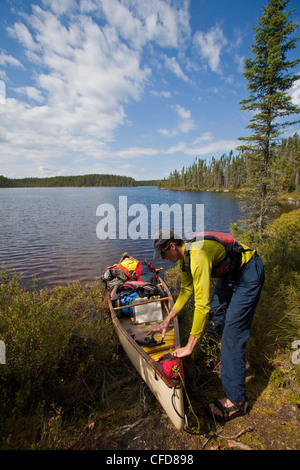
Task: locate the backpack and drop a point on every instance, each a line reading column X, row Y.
column 115, row 275
column 233, row 257
column 145, row 272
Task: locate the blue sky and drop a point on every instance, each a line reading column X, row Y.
column 131, row 87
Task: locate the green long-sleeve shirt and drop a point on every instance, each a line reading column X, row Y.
column 204, row 255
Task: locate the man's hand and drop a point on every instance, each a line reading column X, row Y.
column 187, row 350
column 182, row 352
column 164, row 325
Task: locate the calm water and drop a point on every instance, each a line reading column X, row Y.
column 50, row 233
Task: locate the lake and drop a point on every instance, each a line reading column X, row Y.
column 51, row 235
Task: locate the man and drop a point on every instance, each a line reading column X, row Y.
column 231, row 308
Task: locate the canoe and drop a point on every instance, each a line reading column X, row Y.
column 144, row 357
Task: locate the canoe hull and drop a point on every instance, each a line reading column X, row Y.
column 168, row 392
column 170, row 398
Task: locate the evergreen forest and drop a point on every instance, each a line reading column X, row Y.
column 64, row 181
column 231, row 172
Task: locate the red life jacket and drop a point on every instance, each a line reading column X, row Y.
column 233, row 258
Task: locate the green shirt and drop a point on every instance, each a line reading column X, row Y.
column 204, row 255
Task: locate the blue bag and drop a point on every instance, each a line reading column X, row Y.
column 126, row 299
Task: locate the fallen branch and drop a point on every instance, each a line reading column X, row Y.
column 239, row 445
column 231, row 440
column 127, row 427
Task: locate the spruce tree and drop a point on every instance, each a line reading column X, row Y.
column 270, row 77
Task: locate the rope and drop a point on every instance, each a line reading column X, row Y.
column 176, row 370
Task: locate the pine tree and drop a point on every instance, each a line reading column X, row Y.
column 269, row 81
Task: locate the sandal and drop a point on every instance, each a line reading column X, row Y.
column 236, row 410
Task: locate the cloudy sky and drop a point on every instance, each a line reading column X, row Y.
column 130, row 87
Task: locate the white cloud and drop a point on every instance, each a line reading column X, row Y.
column 207, row 136
column 21, row 32
column 186, row 124
column 295, row 92
column 240, row 61
column 185, row 114
column 210, row 46
column 168, row 132
column 86, row 76
column 2, row 92
column 212, row 147
column 172, row 64
column 179, row 147
column 60, row 6
column 134, row 152
column 201, row 147
column 7, row 59
column 162, row 94
column 84, row 73
column 140, row 21
column 31, row 92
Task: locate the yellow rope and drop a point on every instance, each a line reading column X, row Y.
column 176, row 370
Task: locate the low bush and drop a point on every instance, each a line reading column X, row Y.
column 276, row 322
column 60, row 346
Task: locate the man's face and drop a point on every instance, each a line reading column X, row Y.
column 171, row 253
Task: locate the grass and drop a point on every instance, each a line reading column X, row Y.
column 56, row 381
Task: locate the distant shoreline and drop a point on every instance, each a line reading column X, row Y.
column 92, row 180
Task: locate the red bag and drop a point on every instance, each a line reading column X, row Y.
column 170, row 366
column 145, row 272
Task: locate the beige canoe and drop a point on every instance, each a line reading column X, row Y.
column 146, row 315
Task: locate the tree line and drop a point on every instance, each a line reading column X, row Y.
column 227, row 172
column 93, row 180
column 235, row 172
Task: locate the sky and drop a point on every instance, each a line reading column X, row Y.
column 128, row 87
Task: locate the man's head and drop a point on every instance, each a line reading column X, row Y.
column 164, row 240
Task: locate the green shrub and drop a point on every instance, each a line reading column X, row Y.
column 276, row 322
column 49, row 360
